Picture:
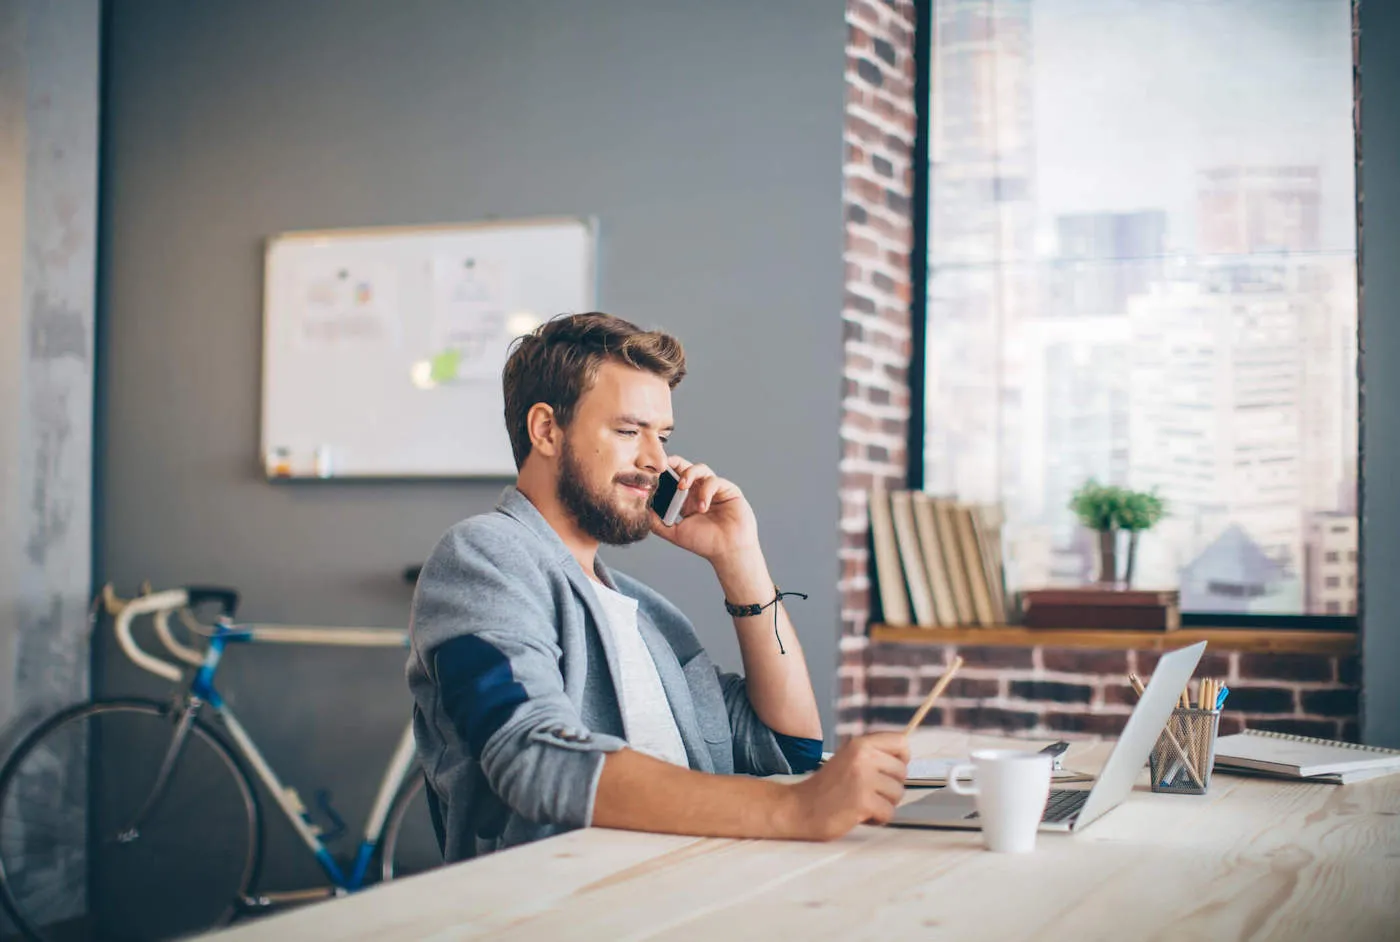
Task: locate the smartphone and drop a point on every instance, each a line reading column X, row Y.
column 668, row 499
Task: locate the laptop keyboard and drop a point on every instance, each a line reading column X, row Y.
column 1064, row 804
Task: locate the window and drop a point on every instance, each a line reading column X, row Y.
column 1141, row 268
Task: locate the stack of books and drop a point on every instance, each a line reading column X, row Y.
column 1102, row 607
column 1303, row 758
column 938, row 562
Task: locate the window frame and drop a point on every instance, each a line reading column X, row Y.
column 918, row 323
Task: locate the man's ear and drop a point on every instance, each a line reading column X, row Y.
column 546, row 436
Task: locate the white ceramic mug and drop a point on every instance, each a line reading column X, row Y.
column 1011, row 787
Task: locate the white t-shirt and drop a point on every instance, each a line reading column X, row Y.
column 646, row 714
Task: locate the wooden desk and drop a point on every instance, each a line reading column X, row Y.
column 1253, row 859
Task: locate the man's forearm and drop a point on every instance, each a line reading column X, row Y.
column 639, row 793
column 779, row 686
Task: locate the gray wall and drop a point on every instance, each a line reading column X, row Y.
column 1380, row 337
column 706, row 137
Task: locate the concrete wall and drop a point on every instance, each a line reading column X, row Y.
column 49, row 69
column 48, row 225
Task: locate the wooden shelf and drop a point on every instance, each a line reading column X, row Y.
column 1252, row 640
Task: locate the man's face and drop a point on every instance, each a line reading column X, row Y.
column 613, row 452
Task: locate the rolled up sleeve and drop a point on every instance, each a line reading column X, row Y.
column 757, row 749
column 486, row 623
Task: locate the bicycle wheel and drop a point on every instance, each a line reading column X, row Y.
column 409, row 845
column 74, row 860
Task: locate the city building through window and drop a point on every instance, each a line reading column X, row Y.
column 1141, row 233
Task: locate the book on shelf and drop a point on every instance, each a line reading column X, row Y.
column 1094, row 606
column 987, row 521
column 889, row 577
column 973, row 563
column 1107, row 595
column 945, row 512
column 912, row 558
column 945, row 611
column 1127, row 617
column 1305, row 758
column 937, row 562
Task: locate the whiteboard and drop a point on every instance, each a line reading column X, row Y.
column 383, row 348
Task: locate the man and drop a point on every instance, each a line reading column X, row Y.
column 552, row 693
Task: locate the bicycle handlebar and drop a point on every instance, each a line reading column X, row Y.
column 162, row 602
column 180, row 601
column 183, row 652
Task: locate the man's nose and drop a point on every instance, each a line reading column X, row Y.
column 653, row 454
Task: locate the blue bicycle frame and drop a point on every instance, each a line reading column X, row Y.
column 287, row 798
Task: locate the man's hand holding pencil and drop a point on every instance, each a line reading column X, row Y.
column 863, row 782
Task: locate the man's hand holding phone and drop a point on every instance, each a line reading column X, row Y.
column 711, row 518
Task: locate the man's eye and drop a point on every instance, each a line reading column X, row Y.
column 665, row 439
column 627, row 431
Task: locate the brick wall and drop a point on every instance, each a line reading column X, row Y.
column 1031, row 690
column 878, row 183
column 1048, row 691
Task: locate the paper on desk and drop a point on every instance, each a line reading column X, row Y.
column 935, row 772
column 930, row 769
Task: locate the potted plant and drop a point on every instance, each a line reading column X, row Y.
column 1138, row 511
column 1108, row 509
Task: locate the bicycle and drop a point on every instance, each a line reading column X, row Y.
column 102, row 861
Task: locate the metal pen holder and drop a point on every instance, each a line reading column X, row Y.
column 1181, row 760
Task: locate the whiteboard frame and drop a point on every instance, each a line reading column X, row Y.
column 590, row 224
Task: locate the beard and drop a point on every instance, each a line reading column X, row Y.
column 596, row 513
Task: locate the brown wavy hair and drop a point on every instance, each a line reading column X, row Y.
column 558, row 362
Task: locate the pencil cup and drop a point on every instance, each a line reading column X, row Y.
column 1181, row 760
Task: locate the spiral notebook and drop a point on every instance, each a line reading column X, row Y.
column 1303, row 757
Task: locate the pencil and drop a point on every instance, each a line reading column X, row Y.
column 1166, row 731
column 933, row 695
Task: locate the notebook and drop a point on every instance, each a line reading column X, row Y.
column 1301, row 757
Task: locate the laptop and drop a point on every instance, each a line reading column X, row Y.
column 1075, row 809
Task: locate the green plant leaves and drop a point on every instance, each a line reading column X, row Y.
column 1108, row 506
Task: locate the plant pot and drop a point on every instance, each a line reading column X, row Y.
column 1132, row 559
column 1108, row 556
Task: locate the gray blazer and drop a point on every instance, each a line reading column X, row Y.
column 513, row 686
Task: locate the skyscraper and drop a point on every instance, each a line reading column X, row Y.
column 1102, row 259
column 1246, row 210
column 981, row 233
column 1217, row 388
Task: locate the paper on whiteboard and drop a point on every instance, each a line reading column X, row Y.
column 469, row 317
column 348, row 308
